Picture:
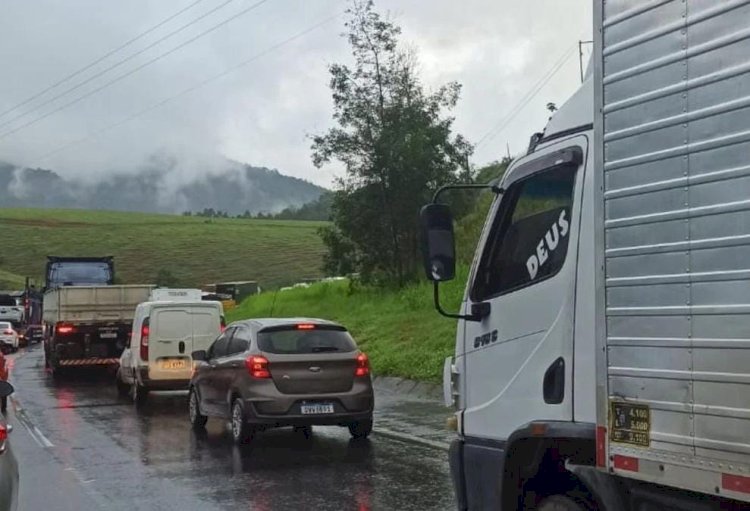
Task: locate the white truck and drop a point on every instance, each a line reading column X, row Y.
column 89, row 325
column 602, row 356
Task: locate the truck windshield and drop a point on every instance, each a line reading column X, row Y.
column 79, row 274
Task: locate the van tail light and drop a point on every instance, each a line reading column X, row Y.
column 363, row 365
column 257, row 367
column 223, row 324
column 144, row 340
column 64, row 329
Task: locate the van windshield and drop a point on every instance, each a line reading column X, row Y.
column 293, row 341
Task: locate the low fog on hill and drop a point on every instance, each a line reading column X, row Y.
column 159, row 186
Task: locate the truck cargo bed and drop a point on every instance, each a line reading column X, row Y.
column 93, row 304
column 676, row 159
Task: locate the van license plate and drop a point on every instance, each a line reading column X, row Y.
column 173, row 363
column 317, row 409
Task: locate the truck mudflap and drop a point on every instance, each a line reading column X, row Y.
column 89, row 361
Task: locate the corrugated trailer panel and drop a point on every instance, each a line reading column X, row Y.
column 675, row 100
column 90, row 304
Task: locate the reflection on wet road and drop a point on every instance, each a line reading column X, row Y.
column 151, row 459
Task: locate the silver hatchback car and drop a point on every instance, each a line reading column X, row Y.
column 266, row 373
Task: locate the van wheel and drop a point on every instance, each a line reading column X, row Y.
column 242, row 432
column 139, row 394
column 197, row 420
column 562, row 503
column 361, row 429
column 123, row 389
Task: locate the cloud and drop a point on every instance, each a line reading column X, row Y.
column 263, row 113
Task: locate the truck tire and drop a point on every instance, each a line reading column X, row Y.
column 562, row 503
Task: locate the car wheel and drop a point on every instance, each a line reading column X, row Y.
column 361, row 429
column 123, row 389
column 242, row 432
column 305, row 431
column 197, row 420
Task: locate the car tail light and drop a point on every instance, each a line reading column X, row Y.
column 257, row 367
column 363, row 365
column 3, row 433
column 144, row 339
column 64, row 329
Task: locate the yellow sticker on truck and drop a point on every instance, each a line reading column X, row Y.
column 629, row 423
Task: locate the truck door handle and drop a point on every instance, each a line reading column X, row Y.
column 554, row 382
column 182, row 347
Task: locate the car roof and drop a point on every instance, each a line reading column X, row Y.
column 4, row 322
column 257, row 324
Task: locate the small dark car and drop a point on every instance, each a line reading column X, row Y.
column 267, row 373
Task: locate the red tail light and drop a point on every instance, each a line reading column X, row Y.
column 144, row 340
column 363, row 365
column 257, row 367
column 3, row 433
column 223, row 324
column 8, row 332
column 305, row 326
column 64, row 329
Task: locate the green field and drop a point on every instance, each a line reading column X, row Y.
column 400, row 330
column 193, row 250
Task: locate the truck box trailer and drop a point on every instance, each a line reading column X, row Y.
column 89, row 325
column 602, row 354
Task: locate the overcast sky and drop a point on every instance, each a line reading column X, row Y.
column 263, row 112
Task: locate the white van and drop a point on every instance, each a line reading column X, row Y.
column 164, row 335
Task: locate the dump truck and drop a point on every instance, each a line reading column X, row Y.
column 87, row 319
column 602, row 356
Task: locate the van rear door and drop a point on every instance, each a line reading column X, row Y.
column 171, row 343
column 206, row 326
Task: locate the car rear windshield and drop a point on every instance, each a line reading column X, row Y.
column 7, row 300
column 293, row 341
column 4, row 325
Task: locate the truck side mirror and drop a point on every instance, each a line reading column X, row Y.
column 438, row 244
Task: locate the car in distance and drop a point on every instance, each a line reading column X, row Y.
column 266, row 373
column 8, row 337
column 8, row 463
column 34, row 333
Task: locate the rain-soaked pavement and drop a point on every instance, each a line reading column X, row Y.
column 80, row 447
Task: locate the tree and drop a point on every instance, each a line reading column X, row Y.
column 396, row 146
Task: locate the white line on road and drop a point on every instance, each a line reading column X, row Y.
column 411, row 438
column 36, row 434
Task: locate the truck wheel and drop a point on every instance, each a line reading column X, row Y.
column 562, row 503
column 361, row 429
column 123, row 389
column 197, row 420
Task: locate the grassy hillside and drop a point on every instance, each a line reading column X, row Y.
column 193, row 251
column 10, row 281
column 400, row 330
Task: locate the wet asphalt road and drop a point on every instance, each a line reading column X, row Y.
column 81, row 447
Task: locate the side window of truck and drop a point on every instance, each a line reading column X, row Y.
column 529, row 238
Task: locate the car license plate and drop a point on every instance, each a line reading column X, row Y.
column 173, row 363
column 108, row 335
column 317, row 409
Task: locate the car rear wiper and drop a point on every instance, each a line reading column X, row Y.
column 322, row 349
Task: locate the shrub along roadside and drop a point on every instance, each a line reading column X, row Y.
column 399, row 329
